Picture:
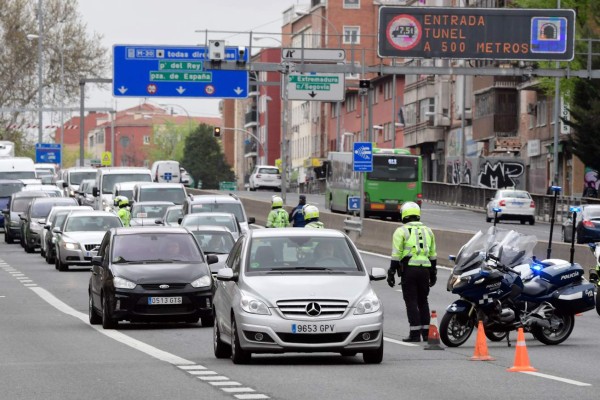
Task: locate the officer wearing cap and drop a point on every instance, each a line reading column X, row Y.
column 414, row 260
column 278, row 217
column 296, row 216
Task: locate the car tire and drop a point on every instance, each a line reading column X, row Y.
column 107, row 320
column 27, row 247
column 95, row 319
column 374, row 356
column 487, row 219
column 7, row 237
column 207, row 321
column 522, row 221
column 532, row 221
column 42, row 253
column 59, row 265
column 49, row 258
column 238, row 355
column 221, row 349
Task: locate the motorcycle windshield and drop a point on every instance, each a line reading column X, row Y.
column 514, row 248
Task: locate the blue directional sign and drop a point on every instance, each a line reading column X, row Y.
column 362, row 157
column 353, row 203
column 164, row 71
column 48, row 153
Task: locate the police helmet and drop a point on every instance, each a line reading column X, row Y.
column 310, row 212
column 410, row 208
column 121, row 201
column 276, row 201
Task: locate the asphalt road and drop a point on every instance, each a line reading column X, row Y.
column 49, row 351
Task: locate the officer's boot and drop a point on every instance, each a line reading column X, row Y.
column 413, row 336
column 425, row 334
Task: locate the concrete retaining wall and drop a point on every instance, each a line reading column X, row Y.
column 377, row 235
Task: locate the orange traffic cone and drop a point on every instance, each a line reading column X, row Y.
column 433, row 337
column 481, row 349
column 521, row 357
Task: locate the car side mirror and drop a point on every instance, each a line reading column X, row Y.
column 47, row 227
column 56, row 230
column 251, row 220
column 377, row 274
column 22, row 217
column 225, row 274
column 96, row 260
column 65, row 185
column 179, row 220
column 158, row 222
column 95, row 192
column 212, row 259
column 41, row 221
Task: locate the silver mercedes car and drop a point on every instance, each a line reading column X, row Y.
column 297, row 290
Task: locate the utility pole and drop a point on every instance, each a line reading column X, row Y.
column 40, row 73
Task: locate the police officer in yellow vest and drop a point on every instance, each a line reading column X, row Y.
column 414, row 260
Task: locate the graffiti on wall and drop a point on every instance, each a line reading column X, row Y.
column 453, row 172
column 497, row 174
column 591, row 183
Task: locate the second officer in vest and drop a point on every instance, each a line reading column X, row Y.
column 414, row 260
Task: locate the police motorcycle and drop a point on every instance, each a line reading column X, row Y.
column 595, row 271
column 487, row 277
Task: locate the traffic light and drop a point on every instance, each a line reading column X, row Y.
column 217, row 131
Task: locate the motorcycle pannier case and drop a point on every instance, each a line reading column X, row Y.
column 575, row 299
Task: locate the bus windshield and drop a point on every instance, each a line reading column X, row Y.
column 394, row 168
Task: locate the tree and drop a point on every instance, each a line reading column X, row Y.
column 64, row 33
column 203, row 158
column 169, row 141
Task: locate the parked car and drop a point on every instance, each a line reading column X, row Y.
column 34, row 219
column 55, row 218
column 145, row 213
column 80, row 235
column 17, row 204
column 219, row 203
column 84, row 194
column 171, row 217
column 216, row 240
column 7, row 188
column 514, row 205
column 226, row 220
column 587, row 226
column 265, row 176
column 150, row 274
column 290, row 290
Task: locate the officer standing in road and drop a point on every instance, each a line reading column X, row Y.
column 296, row 217
column 123, row 213
column 311, row 217
column 278, row 217
column 414, row 260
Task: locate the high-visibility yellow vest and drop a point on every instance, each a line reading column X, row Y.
column 416, row 241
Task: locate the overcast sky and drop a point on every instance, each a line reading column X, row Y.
column 175, row 22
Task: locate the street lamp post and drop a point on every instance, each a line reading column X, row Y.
column 266, row 146
column 40, row 71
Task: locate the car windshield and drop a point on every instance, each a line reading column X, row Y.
column 214, row 242
column 110, row 180
column 174, row 215
column 42, row 209
column 149, row 247
column 218, row 220
column 269, row 171
column 514, row 195
column 592, row 213
column 149, row 210
column 394, row 168
column 175, row 195
column 89, row 223
column 232, row 208
column 77, row 177
column 17, row 175
column 301, row 254
column 6, row 189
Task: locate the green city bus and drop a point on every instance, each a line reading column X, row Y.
column 396, row 178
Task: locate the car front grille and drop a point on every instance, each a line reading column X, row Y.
column 90, row 247
column 317, row 338
column 157, row 286
column 298, row 308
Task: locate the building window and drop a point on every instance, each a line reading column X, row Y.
column 351, row 103
column 425, row 106
column 100, row 138
column 351, row 3
column 387, row 90
column 542, row 113
column 351, row 34
column 375, row 95
column 410, row 117
column 146, row 139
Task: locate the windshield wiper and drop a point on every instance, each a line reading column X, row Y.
column 158, row 260
column 300, row 269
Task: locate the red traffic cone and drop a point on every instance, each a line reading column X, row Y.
column 481, row 350
column 521, row 357
column 433, row 337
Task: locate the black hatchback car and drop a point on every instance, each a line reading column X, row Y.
column 150, row 274
column 17, row 204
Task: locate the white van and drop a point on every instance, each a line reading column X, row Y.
column 166, row 171
column 173, row 192
column 107, row 178
column 72, row 178
column 17, row 168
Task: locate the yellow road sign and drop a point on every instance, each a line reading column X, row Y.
column 106, row 158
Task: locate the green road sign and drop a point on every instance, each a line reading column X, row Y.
column 192, row 66
column 315, row 79
column 227, row 186
column 316, row 87
column 162, row 76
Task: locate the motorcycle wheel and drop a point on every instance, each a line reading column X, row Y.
column 598, row 301
column 455, row 329
column 566, row 323
column 495, row 336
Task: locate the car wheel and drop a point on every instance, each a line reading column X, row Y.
column 374, row 356
column 28, row 248
column 59, row 265
column 7, row 238
column 95, row 319
column 238, row 355
column 207, row 321
column 487, row 219
column 49, row 258
column 532, row 221
column 221, row 349
column 42, row 253
column 107, row 320
column 522, row 222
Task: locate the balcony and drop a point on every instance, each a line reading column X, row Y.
column 250, row 148
column 250, row 119
column 422, row 132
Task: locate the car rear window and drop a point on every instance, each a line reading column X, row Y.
column 592, row 213
column 515, row 195
column 6, row 189
column 195, row 220
column 175, row 195
column 270, row 171
column 232, row 208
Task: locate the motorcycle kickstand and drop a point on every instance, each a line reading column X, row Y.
column 508, row 340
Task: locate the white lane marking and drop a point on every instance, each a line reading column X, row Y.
column 30, row 284
column 202, row 372
column 400, row 342
column 226, row 383
column 17, row 273
column 557, row 378
column 214, row 378
column 238, row 390
column 2, row 296
column 26, row 281
column 251, row 396
column 191, row 367
column 24, row 278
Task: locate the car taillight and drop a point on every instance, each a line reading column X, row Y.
column 588, row 224
column 532, row 204
column 502, row 203
column 258, row 175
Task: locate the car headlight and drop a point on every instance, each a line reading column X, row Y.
column 121, row 283
column 368, row 304
column 71, row 245
column 35, row 226
column 204, row 281
column 254, row 306
column 71, row 193
column 14, row 223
